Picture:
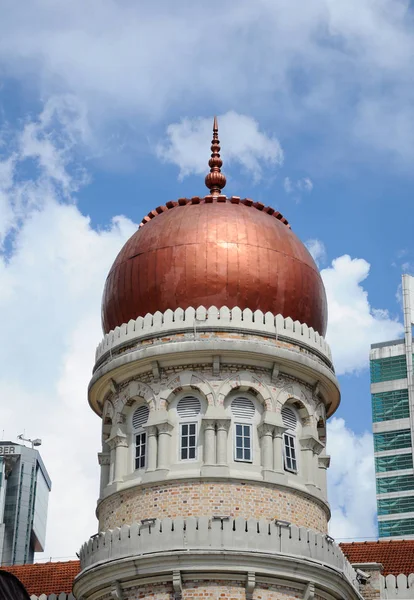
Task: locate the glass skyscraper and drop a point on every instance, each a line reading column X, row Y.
column 391, row 368
column 24, row 492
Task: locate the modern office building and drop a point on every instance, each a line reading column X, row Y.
column 391, row 369
column 24, row 492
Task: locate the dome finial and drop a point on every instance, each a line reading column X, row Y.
column 215, row 180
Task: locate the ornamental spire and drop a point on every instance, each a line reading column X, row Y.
column 215, row 180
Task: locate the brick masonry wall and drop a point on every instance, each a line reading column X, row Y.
column 212, row 590
column 204, row 498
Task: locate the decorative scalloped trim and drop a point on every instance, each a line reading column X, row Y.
column 223, row 318
column 210, row 199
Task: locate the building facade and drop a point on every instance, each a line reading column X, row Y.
column 391, row 370
column 214, row 383
column 24, row 493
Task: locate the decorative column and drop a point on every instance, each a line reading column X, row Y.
column 104, row 460
column 164, row 435
column 310, row 448
column 323, row 464
column 266, row 434
column 152, row 446
column 209, row 441
column 278, row 431
column 222, row 433
column 119, row 454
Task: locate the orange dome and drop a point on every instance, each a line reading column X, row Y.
column 214, row 252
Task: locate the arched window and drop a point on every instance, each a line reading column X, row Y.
column 243, row 412
column 290, row 421
column 139, row 418
column 189, row 410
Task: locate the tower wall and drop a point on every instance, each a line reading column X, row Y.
column 235, row 507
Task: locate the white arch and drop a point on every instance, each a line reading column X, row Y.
column 187, row 380
column 246, row 381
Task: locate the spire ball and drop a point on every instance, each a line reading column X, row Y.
column 215, row 180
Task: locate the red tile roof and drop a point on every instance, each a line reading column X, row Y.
column 396, row 556
column 46, row 578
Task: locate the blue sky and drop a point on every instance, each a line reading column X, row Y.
column 106, row 110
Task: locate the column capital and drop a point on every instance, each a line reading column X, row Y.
column 279, row 430
column 104, row 458
column 165, row 427
column 223, row 424
column 150, row 429
column 274, row 419
column 324, row 461
column 208, row 423
column 310, row 442
column 119, row 439
column 265, row 429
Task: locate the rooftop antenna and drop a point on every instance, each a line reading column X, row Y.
column 35, row 442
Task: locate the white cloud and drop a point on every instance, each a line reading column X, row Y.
column 408, row 267
column 288, row 185
column 186, row 143
column 317, row 250
column 353, row 324
column 297, row 62
column 351, row 483
column 51, row 280
column 303, row 185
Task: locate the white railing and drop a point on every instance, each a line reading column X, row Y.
column 202, row 319
column 215, row 534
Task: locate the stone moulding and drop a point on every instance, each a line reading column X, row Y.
column 218, row 534
column 214, row 319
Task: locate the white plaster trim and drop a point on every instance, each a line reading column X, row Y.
column 202, row 319
column 203, row 533
column 248, row 352
column 333, row 580
column 400, row 587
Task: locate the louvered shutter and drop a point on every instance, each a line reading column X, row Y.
column 289, row 418
column 189, row 407
column 140, row 417
column 242, row 408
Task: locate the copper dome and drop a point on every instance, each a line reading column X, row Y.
column 214, row 251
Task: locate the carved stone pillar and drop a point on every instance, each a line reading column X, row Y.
column 323, row 464
column 222, row 434
column 152, row 448
column 209, row 441
column 104, row 460
column 119, row 455
column 164, row 436
column 278, row 448
column 266, row 435
column 310, row 448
